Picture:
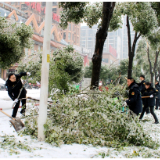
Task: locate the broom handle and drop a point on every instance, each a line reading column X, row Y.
column 7, row 115
column 145, row 97
column 34, row 99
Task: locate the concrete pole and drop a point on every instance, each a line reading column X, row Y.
column 45, row 72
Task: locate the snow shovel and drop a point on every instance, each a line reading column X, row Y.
column 16, row 122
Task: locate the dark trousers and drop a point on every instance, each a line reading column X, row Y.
column 14, row 113
column 147, row 110
column 152, row 112
column 157, row 103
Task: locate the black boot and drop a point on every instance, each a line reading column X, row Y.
column 22, row 112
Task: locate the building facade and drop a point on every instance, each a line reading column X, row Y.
column 71, row 35
column 112, row 45
column 33, row 14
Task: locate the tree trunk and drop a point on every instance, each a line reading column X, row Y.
column 150, row 66
column 131, row 50
column 159, row 72
column 155, row 65
column 101, row 36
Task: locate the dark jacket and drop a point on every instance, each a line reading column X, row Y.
column 148, row 92
column 158, row 89
column 14, row 87
column 134, row 102
column 141, row 86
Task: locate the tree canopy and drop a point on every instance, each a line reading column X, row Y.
column 66, row 68
column 13, row 39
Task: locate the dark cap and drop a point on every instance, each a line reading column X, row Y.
column 142, row 76
column 148, row 83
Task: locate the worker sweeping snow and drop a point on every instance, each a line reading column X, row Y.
column 16, row 91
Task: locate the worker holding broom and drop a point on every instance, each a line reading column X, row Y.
column 16, row 91
column 150, row 102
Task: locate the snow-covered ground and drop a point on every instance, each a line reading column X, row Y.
column 34, row 93
column 45, row 150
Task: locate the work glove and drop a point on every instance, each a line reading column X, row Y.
column 16, row 100
column 28, row 73
column 124, row 104
column 151, row 96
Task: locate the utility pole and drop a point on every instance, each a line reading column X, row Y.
column 45, row 72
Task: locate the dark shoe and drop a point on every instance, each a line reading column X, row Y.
column 22, row 112
column 156, row 122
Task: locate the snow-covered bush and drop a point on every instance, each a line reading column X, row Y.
column 95, row 118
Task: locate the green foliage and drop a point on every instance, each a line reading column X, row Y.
column 32, row 64
column 72, row 12
column 65, row 68
column 10, row 144
column 13, row 39
column 156, row 7
column 94, row 118
column 112, row 72
column 142, row 57
column 90, row 13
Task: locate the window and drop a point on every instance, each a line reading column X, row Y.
column 54, row 3
column 83, row 33
column 69, row 27
column 64, row 35
column 73, row 37
column 18, row 3
column 12, row 3
column 90, row 38
column 89, row 32
column 52, row 37
column 42, row 32
column 105, row 60
column 24, row 7
column 43, row 4
column 69, row 36
column 39, row 48
column 54, row 10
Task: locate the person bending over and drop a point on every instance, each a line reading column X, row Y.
column 16, row 91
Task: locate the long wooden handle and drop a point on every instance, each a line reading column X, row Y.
column 7, row 114
column 145, row 97
column 37, row 99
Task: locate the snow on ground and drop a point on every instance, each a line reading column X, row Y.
column 34, row 93
column 2, row 81
column 45, row 150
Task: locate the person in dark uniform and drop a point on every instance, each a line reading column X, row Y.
column 134, row 102
column 14, row 86
column 142, row 89
column 149, row 102
column 158, row 96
